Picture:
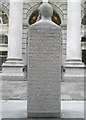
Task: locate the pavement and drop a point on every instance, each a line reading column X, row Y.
column 17, row 90
column 18, row 109
column 15, row 105
column 72, row 102
column 72, row 91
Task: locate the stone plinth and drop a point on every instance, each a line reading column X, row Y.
column 13, row 70
column 74, row 71
column 44, row 70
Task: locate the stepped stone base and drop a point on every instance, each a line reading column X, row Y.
column 13, row 70
column 75, row 71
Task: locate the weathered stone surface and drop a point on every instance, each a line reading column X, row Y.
column 44, row 71
column 17, row 90
column 14, row 90
column 44, row 66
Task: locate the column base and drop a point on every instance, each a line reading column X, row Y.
column 12, row 69
column 74, row 71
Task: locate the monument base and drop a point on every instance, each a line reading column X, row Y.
column 12, row 69
column 44, row 67
column 74, row 71
column 44, row 115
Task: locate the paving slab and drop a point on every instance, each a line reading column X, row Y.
column 18, row 109
column 17, row 90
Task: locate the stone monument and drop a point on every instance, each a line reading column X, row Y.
column 44, row 66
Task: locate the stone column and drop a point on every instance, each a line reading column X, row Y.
column 13, row 67
column 15, row 30
column 74, row 66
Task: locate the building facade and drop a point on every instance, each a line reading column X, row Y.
column 16, row 17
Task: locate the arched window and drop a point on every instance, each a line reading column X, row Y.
column 3, row 39
column 3, row 17
column 35, row 16
column 55, row 18
column 83, row 41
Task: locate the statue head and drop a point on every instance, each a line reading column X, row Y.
column 46, row 10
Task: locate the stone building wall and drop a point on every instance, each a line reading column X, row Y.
column 18, row 89
column 29, row 6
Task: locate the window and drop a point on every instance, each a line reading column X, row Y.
column 3, row 39
column 3, row 17
column 84, row 56
column 3, row 56
column 84, row 20
column 55, row 18
column 1, row 20
column 35, row 16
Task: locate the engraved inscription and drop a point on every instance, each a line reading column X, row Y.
column 44, row 70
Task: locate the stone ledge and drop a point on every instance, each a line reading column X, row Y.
column 15, row 77
column 43, row 115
